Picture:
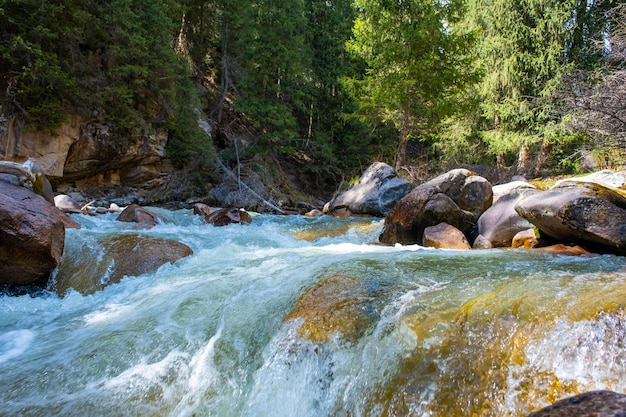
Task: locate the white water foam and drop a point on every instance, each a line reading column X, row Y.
column 15, row 343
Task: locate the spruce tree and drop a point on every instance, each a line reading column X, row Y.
column 415, row 65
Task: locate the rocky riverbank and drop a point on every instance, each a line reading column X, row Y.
column 456, row 210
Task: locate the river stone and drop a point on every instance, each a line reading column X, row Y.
column 455, row 198
column 500, row 223
column 565, row 250
column 338, row 306
column 229, row 215
column 32, row 236
column 526, row 239
column 588, row 404
column 444, row 236
column 111, row 259
column 377, row 191
column 67, row 204
column 137, row 214
column 584, row 213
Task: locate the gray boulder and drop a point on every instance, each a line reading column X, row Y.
column 500, row 223
column 588, row 214
column 378, row 190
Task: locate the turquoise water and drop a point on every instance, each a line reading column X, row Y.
column 434, row 332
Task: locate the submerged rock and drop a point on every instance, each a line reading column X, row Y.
column 111, row 259
column 588, row 404
column 377, row 191
column 337, row 306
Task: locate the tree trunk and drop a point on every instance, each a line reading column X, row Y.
column 542, row 158
column 404, row 139
column 525, row 164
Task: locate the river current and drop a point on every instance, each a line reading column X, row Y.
column 220, row 333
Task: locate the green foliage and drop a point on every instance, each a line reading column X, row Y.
column 524, row 50
column 417, row 66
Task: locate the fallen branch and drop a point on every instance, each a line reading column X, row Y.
column 247, row 188
column 23, row 172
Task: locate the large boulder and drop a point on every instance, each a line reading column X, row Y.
column 500, row 222
column 457, row 198
column 32, row 236
column 93, row 267
column 588, row 214
column 377, row 191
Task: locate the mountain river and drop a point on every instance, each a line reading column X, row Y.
column 294, row 317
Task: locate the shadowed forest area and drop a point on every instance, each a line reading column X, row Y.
column 324, row 87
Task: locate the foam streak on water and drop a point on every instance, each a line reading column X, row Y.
column 411, row 331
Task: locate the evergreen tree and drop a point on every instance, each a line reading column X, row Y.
column 274, row 62
column 416, row 64
column 525, row 49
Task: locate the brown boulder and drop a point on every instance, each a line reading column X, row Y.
column 566, row 250
column 94, row 267
column 226, row 216
column 32, row 236
column 588, row 214
column 458, row 198
column 444, row 236
column 138, row 214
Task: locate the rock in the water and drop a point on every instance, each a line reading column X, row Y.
column 525, row 239
column 378, row 190
column 566, row 250
column 588, row 404
column 112, row 259
column 67, row 204
column 138, row 214
column 226, row 216
column 457, row 198
column 588, row 214
column 32, row 236
column 444, row 236
column 500, row 223
column 338, row 306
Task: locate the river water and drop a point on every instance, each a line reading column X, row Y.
column 295, row 316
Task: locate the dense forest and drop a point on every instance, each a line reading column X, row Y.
column 331, row 85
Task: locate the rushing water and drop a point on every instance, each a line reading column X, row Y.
column 293, row 316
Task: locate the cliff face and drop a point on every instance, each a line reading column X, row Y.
column 85, row 155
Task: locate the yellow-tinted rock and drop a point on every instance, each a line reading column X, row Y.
column 336, row 306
